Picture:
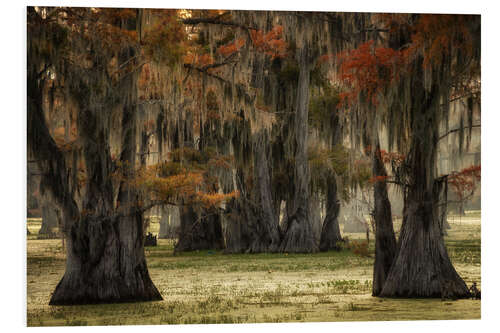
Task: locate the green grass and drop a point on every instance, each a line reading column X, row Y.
column 209, row 287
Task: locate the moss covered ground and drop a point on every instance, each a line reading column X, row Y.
column 211, row 287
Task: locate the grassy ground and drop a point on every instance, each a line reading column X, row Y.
column 209, row 287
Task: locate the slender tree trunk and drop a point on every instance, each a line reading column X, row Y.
column 385, row 240
column 330, row 233
column 50, row 218
column 315, row 217
column 299, row 235
column 50, row 160
column 164, row 223
column 169, row 222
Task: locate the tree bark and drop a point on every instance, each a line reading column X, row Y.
column 199, row 231
column 169, row 222
column 238, row 238
column 266, row 234
column 50, row 218
column 105, row 247
column 315, row 217
column 422, row 267
column 253, row 225
column 330, row 233
column 299, row 237
column 385, row 239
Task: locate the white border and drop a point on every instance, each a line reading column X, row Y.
column 13, row 138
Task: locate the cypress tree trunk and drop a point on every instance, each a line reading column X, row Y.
column 299, row 235
column 169, row 222
column 199, row 231
column 330, row 233
column 315, row 217
column 105, row 247
column 50, row 218
column 253, row 224
column 385, row 240
column 265, row 229
column 164, row 224
column 422, row 267
column 42, row 147
column 105, row 257
column 237, row 233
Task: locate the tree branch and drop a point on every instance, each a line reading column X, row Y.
column 456, row 130
column 216, row 20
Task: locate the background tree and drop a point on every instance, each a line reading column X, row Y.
column 428, row 59
column 92, row 56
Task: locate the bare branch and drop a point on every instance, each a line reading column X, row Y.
column 216, row 20
column 456, row 130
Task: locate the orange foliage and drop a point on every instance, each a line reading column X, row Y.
column 437, row 35
column 165, row 40
column 229, row 49
column 368, row 70
column 387, row 157
column 191, row 182
column 177, row 187
column 271, row 43
column 215, row 199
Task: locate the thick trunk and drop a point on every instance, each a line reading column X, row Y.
column 253, row 225
column 422, row 267
column 237, row 233
column 199, row 231
column 385, row 240
column 330, row 233
column 105, row 264
column 299, row 235
column 105, row 256
column 265, row 229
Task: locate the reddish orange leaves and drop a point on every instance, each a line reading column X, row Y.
column 436, row 36
column 368, row 70
column 209, row 200
column 271, row 43
column 229, row 49
column 387, row 157
column 464, row 182
column 165, row 40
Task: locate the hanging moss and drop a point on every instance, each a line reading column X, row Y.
column 289, row 74
column 323, row 108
